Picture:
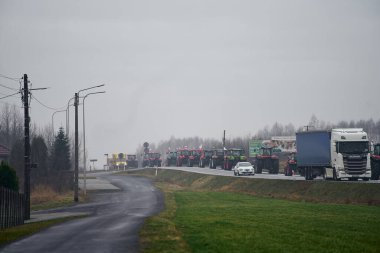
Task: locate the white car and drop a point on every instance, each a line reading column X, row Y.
column 244, row 168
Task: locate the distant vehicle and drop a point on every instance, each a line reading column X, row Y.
column 182, row 156
column 132, row 161
column 171, row 158
column 155, row 160
column 335, row 154
column 267, row 160
column 152, row 159
column 194, row 156
column 205, row 157
column 232, row 157
column 243, row 168
column 217, row 158
column 117, row 161
column 375, row 162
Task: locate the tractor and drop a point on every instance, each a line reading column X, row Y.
column 205, row 158
column 217, row 158
column 266, row 160
column 194, row 156
column 171, row 158
column 291, row 165
column 145, row 162
column 182, row 156
column 232, row 157
column 155, row 160
column 152, row 159
column 132, row 161
column 375, row 162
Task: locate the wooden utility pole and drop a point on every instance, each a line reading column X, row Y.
column 26, row 150
column 76, row 103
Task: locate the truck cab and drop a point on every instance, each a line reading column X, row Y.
column 350, row 155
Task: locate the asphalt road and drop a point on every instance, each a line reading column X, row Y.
column 220, row 172
column 113, row 225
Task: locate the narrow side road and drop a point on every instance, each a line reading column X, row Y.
column 113, row 225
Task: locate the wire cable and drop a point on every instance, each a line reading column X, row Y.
column 10, row 95
column 7, row 87
column 10, row 78
column 48, row 107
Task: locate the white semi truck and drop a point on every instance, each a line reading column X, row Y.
column 335, row 154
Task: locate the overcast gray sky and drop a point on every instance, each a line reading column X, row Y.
column 187, row 68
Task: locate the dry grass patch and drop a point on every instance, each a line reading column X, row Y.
column 45, row 193
column 45, row 197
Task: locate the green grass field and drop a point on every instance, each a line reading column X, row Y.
column 233, row 222
column 221, row 214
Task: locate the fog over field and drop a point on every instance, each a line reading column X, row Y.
column 192, row 68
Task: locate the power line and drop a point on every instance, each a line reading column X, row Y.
column 10, row 78
column 10, row 95
column 7, row 87
column 48, row 107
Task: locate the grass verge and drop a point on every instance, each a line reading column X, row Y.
column 220, row 214
column 15, row 233
column 309, row 191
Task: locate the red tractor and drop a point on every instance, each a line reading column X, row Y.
column 291, row 165
column 375, row 162
column 155, row 160
column 182, row 156
column 266, row 160
column 205, row 158
column 152, row 159
column 194, row 156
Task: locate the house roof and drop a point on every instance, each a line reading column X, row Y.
column 4, row 151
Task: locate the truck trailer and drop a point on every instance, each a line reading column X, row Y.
column 335, row 154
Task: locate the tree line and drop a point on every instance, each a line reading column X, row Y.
column 50, row 152
column 277, row 129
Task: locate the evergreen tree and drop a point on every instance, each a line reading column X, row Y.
column 39, row 155
column 8, row 178
column 60, row 157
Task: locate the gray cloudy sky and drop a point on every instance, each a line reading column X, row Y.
column 187, row 68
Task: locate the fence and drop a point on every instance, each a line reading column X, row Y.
column 11, row 208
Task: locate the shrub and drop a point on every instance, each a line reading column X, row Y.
column 8, row 177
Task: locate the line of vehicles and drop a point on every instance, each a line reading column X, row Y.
column 225, row 158
column 336, row 154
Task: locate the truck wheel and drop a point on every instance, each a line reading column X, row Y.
column 276, row 166
column 375, row 170
column 309, row 174
column 335, row 177
column 259, row 167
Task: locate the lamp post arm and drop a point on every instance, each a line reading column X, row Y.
column 84, row 140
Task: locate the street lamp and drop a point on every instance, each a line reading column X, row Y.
column 76, row 103
column 52, row 120
column 84, row 141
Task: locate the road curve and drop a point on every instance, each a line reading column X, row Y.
column 112, row 227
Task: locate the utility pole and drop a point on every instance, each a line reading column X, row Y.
column 76, row 103
column 224, row 139
column 26, row 150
